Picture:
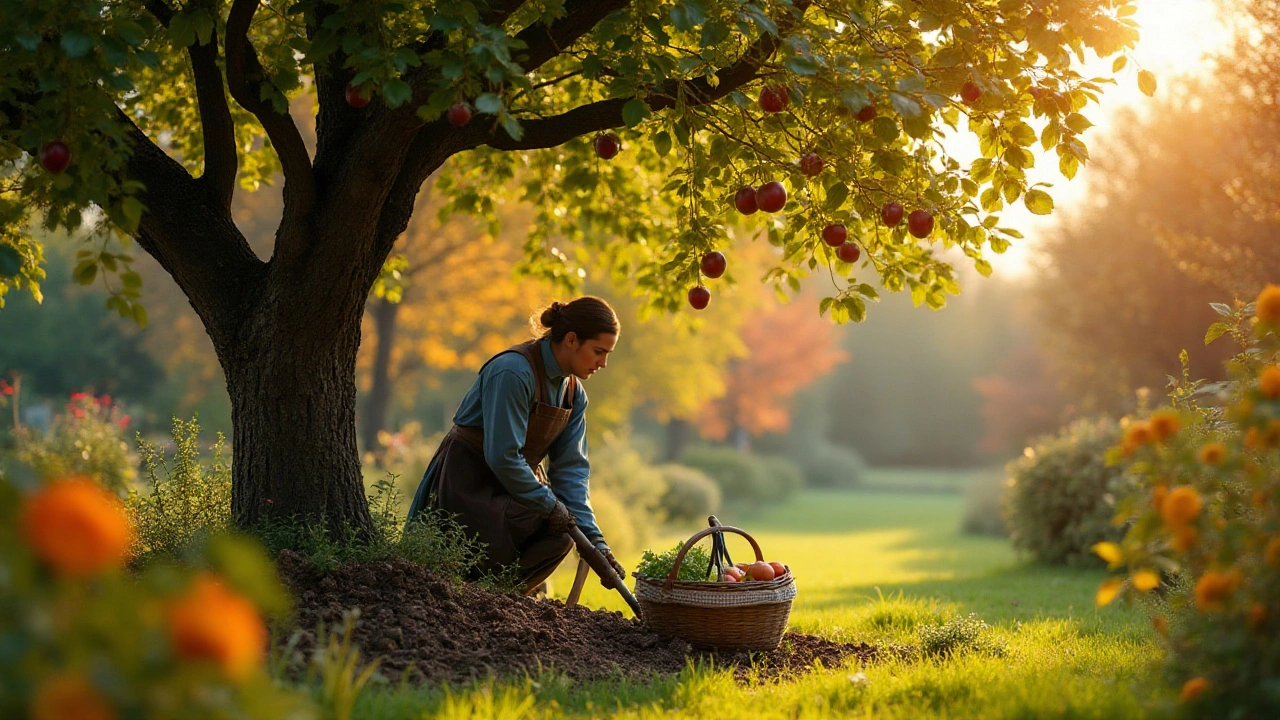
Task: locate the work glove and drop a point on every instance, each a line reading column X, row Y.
column 560, row 519
column 613, row 562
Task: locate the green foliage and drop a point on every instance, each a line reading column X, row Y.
column 87, row 438
column 826, row 464
column 984, row 501
column 745, row 478
column 1057, row 507
column 961, row 634
column 1203, row 508
column 692, row 568
column 186, row 502
column 690, row 496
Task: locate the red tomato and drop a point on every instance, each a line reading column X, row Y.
column 778, row 569
column 728, row 577
column 760, row 570
column 735, row 572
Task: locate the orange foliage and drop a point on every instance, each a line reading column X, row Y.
column 788, row 348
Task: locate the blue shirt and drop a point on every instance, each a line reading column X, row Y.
column 500, row 401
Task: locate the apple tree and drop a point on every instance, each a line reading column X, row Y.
column 631, row 126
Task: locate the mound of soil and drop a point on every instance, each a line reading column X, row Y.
column 414, row 620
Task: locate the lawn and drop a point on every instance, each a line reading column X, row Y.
column 873, row 567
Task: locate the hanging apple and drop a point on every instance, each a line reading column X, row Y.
column 354, row 98
column 849, row 252
column 920, row 223
column 811, row 164
column 771, row 196
column 866, row 114
column 699, row 296
column 774, row 99
column 459, row 114
column 891, row 214
column 55, row 156
column 607, row 145
column 970, row 92
column 835, row 235
column 713, row 264
column 745, row 200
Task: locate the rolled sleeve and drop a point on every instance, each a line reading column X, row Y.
column 505, row 409
column 570, row 469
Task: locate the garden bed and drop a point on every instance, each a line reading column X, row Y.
column 414, row 621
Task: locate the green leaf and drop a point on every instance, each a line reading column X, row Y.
column 906, row 106
column 76, row 44
column 488, row 103
column 1038, row 202
column 396, row 92
column 714, row 33
column 801, row 65
column 662, row 143
column 1147, row 82
column 1221, row 309
column 86, row 272
column 836, row 195
column 140, row 315
column 10, row 261
column 634, row 112
column 885, row 128
column 1216, row 331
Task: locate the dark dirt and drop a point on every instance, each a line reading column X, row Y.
column 411, row 618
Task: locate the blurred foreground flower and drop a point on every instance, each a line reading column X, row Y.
column 66, row 696
column 77, row 527
column 211, row 622
column 1267, row 306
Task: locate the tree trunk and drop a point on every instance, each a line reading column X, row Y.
column 379, row 400
column 291, row 376
column 677, row 439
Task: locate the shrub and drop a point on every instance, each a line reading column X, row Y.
column 691, row 496
column 88, row 438
column 626, row 493
column 828, row 465
column 745, row 478
column 187, row 501
column 1204, row 508
column 958, row 636
column 1056, row 505
column 983, row 506
column 693, row 567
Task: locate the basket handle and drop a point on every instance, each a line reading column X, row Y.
column 675, row 569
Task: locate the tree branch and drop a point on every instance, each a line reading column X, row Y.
column 220, row 159
column 245, row 77
column 544, row 42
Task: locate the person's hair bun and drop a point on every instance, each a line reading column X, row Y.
column 554, row 312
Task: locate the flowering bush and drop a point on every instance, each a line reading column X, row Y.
column 83, row 640
column 87, row 438
column 1204, row 513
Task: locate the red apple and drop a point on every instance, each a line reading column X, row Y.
column 970, row 92
column 891, row 214
column 713, row 264
column 811, row 164
column 607, row 145
column 867, row 114
column 920, row 223
column 745, row 200
column 55, row 156
column 771, row 196
column 849, row 252
column 699, row 296
column 774, row 99
column 354, row 98
column 835, row 235
column 459, row 114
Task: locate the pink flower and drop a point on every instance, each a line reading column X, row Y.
column 123, row 422
column 5, row 388
column 77, row 413
column 104, row 401
column 78, row 396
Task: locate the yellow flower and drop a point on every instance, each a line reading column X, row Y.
column 1108, row 551
column 77, row 527
column 1269, row 381
column 211, row 622
column 1138, row 433
column 1257, row 615
column 1145, row 580
column 1272, row 554
column 1214, row 587
column 1181, row 506
column 1267, row 306
column 1193, row 689
column 1161, row 625
column 1165, row 424
column 1212, row 453
column 66, row 696
column 1108, row 590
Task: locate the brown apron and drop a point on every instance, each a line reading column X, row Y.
column 468, row 487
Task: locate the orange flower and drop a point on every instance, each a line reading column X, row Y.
column 1181, row 506
column 69, row 696
column 1213, row 588
column 1212, row 453
column 1138, row 433
column 1164, row 424
column 1185, row 539
column 1257, row 615
column 1157, row 497
column 1193, row 689
column 1269, row 381
column 1161, row 625
column 1272, row 554
column 1145, row 580
column 1260, row 498
column 1253, row 439
column 1267, row 306
column 77, row 527
column 211, row 622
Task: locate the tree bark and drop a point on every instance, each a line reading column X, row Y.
column 379, row 400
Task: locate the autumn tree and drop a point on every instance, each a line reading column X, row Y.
column 151, row 112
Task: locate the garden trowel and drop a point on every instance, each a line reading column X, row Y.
column 589, row 556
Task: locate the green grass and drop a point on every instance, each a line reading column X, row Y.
column 871, row 567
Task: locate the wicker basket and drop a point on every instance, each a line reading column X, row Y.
column 731, row 616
